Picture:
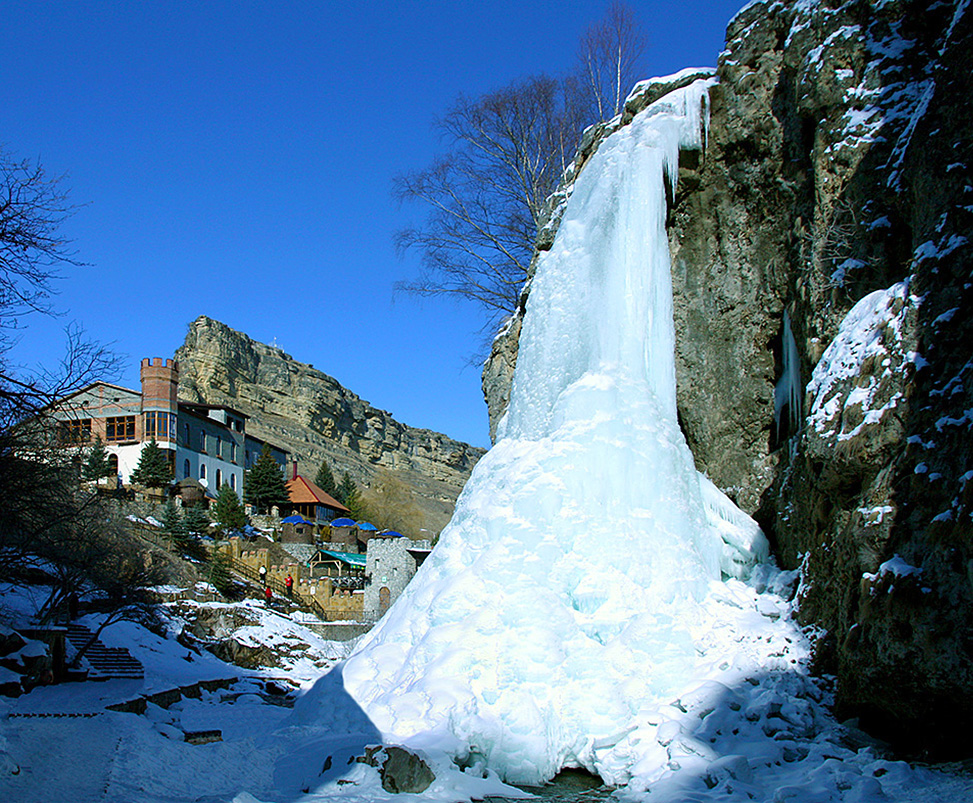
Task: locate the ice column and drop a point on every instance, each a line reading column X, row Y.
column 559, row 600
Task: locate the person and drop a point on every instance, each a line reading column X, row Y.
column 268, row 595
column 289, row 585
column 263, row 574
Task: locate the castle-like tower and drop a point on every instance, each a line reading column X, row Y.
column 160, row 385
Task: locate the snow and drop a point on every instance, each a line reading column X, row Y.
column 895, row 566
column 872, row 330
column 595, row 602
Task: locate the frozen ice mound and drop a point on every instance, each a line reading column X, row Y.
column 566, row 593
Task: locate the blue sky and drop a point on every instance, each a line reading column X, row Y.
column 235, row 159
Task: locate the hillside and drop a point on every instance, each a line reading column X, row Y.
column 312, row 415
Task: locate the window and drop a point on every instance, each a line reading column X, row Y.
column 161, row 426
column 120, row 428
column 233, row 481
column 185, row 468
column 77, row 430
column 202, row 471
column 219, row 447
column 185, row 434
column 219, row 479
column 202, row 441
column 232, row 451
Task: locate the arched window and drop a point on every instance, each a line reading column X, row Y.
column 233, row 481
column 202, row 471
column 219, row 479
column 185, row 468
column 219, row 447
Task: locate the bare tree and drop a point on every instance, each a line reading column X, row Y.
column 506, row 154
column 389, row 504
column 608, row 54
column 38, row 487
column 507, row 151
column 32, row 208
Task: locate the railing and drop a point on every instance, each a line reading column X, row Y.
column 249, row 572
column 239, row 567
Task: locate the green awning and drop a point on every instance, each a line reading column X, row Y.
column 351, row 558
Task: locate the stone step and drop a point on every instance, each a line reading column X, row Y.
column 104, row 662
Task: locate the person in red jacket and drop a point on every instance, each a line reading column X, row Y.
column 289, row 585
column 268, row 595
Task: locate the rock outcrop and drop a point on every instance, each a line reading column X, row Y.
column 309, row 413
column 821, row 263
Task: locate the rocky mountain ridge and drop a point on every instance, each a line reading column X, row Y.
column 311, row 414
column 821, row 267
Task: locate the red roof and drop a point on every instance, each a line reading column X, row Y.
column 305, row 492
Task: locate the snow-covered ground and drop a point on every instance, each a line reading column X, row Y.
column 757, row 726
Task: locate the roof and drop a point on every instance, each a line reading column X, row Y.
column 92, row 386
column 367, row 526
column 196, row 406
column 351, row 558
column 304, row 492
column 342, row 523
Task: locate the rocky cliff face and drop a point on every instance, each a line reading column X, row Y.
column 315, row 418
column 836, row 187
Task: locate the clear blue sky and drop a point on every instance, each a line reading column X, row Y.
column 235, row 159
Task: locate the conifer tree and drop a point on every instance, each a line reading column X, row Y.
column 153, row 469
column 219, row 572
column 195, row 520
column 345, row 488
column 325, row 480
column 96, row 465
column 264, row 485
column 228, row 511
column 355, row 504
column 174, row 526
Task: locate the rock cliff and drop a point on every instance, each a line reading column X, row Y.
column 822, row 276
column 309, row 413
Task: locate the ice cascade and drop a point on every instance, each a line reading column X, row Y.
column 562, row 597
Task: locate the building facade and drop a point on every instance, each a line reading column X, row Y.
column 204, row 442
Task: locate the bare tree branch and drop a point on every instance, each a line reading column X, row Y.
column 608, row 54
column 506, row 153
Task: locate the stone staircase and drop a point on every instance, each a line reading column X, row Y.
column 104, row 663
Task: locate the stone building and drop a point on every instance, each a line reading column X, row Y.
column 391, row 561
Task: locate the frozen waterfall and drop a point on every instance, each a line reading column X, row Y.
column 563, row 598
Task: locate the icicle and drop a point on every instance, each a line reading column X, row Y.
column 787, row 392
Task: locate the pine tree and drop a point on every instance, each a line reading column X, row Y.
column 195, row 520
column 153, row 469
column 345, row 487
column 96, row 465
column 174, row 526
column 228, row 511
column 264, row 485
column 325, row 480
column 355, row 504
column 219, row 572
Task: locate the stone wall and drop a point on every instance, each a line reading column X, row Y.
column 388, row 566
